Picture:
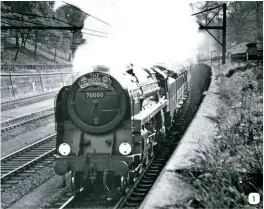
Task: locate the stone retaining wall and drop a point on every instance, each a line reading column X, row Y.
column 15, row 85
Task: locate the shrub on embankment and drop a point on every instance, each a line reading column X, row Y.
column 233, row 167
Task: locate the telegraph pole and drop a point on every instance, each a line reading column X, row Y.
column 223, row 28
column 224, row 35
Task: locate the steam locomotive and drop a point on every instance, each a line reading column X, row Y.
column 110, row 122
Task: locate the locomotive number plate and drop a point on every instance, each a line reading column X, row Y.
column 95, row 94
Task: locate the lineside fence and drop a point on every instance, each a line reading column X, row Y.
column 35, row 68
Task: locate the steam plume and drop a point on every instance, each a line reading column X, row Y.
column 145, row 32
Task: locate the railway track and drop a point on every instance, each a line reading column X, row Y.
column 83, row 200
column 136, row 193
column 10, row 104
column 20, row 164
column 13, row 123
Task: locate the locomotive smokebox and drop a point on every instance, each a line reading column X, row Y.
column 97, row 102
column 121, row 168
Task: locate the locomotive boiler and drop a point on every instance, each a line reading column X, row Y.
column 110, row 122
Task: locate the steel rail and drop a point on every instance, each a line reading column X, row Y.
column 27, row 164
column 7, row 157
column 64, row 205
column 29, row 97
column 12, row 120
column 4, row 129
column 11, row 104
column 67, row 202
column 121, row 200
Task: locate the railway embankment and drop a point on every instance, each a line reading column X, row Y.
column 225, row 175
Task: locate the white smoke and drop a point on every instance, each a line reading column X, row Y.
column 143, row 32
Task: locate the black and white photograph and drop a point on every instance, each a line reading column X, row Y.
column 131, row 104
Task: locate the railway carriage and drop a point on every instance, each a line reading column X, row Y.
column 110, row 122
